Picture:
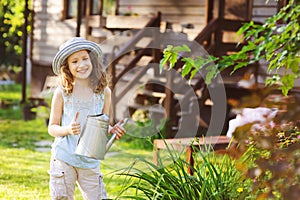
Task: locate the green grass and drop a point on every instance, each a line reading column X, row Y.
column 23, row 170
column 12, row 92
column 23, row 174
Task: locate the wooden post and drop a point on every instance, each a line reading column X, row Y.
column 190, row 159
column 218, row 33
column 156, row 153
column 281, row 3
column 156, row 53
column 169, row 104
column 249, row 6
column 209, row 16
column 116, row 7
column 79, row 17
column 209, row 10
column 24, row 52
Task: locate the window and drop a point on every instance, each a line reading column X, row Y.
column 70, row 8
column 95, row 5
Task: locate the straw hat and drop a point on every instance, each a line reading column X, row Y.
column 73, row 45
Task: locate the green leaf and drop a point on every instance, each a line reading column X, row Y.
column 211, row 73
column 287, row 83
column 244, row 28
column 193, row 73
column 173, row 60
column 239, row 65
column 189, row 63
column 294, row 65
column 164, row 60
column 168, row 49
column 272, row 80
column 281, row 29
column 183, row 48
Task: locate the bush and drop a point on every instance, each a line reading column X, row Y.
column 215, row 177
column 274, row 167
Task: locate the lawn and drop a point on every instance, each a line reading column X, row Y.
column 24, row 169
column 128, row 168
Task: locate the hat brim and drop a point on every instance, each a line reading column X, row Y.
column 73, row 47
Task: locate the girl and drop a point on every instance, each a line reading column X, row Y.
column 84, row 91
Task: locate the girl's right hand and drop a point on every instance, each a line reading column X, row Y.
column 74, row 127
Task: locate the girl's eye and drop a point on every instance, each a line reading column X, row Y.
column 74, row 62
column 85, row 58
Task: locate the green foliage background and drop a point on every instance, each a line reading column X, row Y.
column 277, row 41
column 11, row 24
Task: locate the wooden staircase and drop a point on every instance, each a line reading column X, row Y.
column 154, row 98
column 160, row 94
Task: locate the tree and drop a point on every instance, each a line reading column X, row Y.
column 277, row 41
column 11, row 22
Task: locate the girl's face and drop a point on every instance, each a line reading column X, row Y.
column 80, row 64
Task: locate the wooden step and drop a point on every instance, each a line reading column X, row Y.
column 179, row 86
column 143, row 42
column 145, row 97
column 158, row 97
column 155, row 87
column 151, row 109
column 121, row 66
column 125, row 60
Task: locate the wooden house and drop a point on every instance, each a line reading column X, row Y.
column 56, row 21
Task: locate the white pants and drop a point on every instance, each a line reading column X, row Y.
column 63, row 178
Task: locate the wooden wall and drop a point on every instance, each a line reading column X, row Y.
column 173, row 11
column 262, row 10
column 49, row 31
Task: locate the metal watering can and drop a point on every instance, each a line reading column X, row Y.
column 93, row 141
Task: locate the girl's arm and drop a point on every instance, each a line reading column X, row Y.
column 107, row 101
column 120, row 131
column 54, row 128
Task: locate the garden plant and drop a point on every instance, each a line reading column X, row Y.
column 274, row 151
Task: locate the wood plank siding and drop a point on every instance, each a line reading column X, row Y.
column 262, row 10
column 49, row 31
column 175, row 12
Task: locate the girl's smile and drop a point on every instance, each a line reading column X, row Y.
column 80, row 64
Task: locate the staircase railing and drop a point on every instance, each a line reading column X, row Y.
column 211, row 39
column 124, row 50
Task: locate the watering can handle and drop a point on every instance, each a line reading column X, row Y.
column 113, row 137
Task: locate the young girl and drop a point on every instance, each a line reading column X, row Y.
column 84, row 91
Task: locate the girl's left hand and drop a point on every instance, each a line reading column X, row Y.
column 118, row 129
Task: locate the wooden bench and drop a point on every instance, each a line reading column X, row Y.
column 189, row 144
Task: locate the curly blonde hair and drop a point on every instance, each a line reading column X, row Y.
column 99, row 79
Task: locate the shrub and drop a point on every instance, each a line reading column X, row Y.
column 274, row 167
column 215, row 177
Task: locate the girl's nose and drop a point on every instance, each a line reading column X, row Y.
column 81, row 63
